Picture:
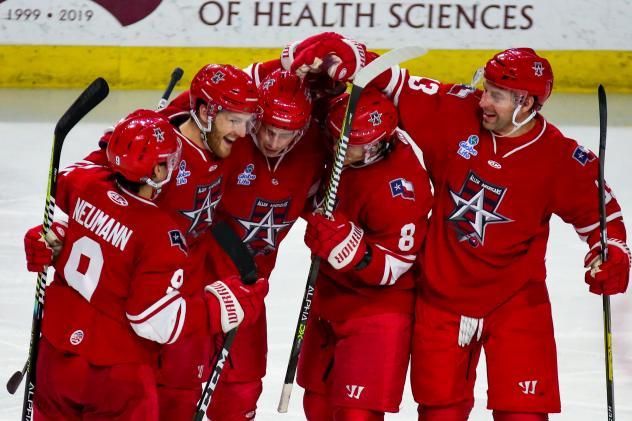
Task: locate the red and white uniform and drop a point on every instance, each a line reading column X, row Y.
column 493, row 196
column 367, row 313
column 484, row 254
column 115, row 296
column 264, row 197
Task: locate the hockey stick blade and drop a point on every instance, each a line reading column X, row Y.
column 176, row 75
column 382, row 63
column 90, row 98
column 16, row 379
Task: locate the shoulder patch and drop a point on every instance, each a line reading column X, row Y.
column 177, row 239
column 583, row 155
column 461, row 91
column 402, row 187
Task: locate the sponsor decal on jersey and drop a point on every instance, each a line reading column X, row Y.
column 76, row 337
column 181, row 177
column 402, row 188
column 475, row 207
column 246, row 176
column 583, row 155
column 206, row 198
column 263, row 226
column 117, row 198
column 461, row 91
column 177, row 239
column 466, row 147
column 494, row 164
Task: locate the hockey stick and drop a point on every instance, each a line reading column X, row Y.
column 176, row 75
column 90, row 98
column 364, row 76
column 607, row 334
column 241, row 257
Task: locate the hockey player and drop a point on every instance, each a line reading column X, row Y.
column 357, row 343
column 222, row 107
column 500, row 171
column 115, row 297
column 269, row 177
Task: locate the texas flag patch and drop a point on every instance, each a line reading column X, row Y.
column 402, row 187
column 583, row 155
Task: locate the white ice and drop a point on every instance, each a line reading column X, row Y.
column 27, row 119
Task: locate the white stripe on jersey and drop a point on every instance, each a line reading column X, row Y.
column 163, row 321
column 395, row 265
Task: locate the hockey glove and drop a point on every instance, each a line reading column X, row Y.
column 232, row 303
column 338, row 240
column 330, row 52
column 612, row 276
column 41, row 252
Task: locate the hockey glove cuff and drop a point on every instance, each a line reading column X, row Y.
column 233, row 303
column 338, row 240
column 611, row 277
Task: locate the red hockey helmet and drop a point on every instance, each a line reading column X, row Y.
column 223, row 87
column 521, row 69
column 375, row 117
column 140, row 142
column 285, row 100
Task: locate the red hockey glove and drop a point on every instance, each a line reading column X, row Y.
column 231, row 303
column 40, row 253
column 612, row 276
column 338, row 240
column 340, row 57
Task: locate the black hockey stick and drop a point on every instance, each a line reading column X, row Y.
column 364, row 76
column 90, row 98
column 607, row 333
column 241, row 257
column 176, row 75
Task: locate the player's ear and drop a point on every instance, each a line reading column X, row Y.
column 159, row 173
column 529, row 103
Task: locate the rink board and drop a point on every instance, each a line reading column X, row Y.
column 46, row 66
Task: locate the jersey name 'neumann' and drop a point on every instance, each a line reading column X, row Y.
column 101, row 224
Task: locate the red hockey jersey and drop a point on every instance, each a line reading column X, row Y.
column 390, row 200
column 494, row 196
column 264, row 197
column 115, row 295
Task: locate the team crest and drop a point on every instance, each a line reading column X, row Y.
column 218, row 77
column 159, row 134
column 262, row 228
column 402, row 188
column 177, row 239
column 467, row 147
column 375, row 118
column 583, row 155
column 538, row 68
column 246, row 176
column 475, row 207
column 206, row 199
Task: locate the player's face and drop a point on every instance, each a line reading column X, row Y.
column 273, row 141
column 498, row 105
column 355, row 153
column 228, row 126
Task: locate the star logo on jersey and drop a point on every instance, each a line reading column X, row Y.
column 218, row 77
column 177, row 239
column 206, row 199
column 268, row 83
column 159, row 134
column 376, row 118
column 475, row 208
column 266, row 221
column 538, row 68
